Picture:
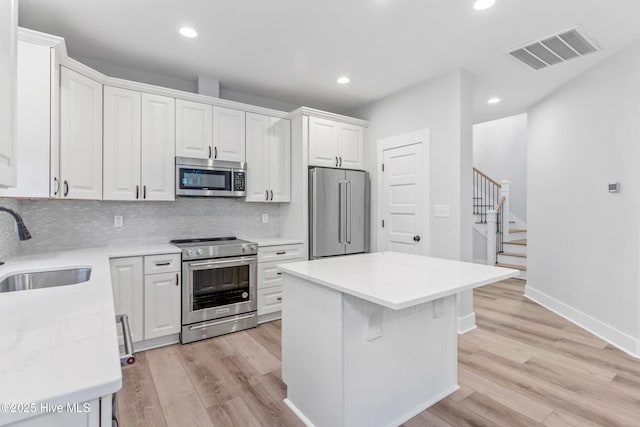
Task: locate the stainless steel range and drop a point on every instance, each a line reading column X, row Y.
column 219, row 292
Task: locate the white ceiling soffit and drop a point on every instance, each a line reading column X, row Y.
column 555, row 49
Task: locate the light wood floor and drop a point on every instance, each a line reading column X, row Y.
column 522, row 366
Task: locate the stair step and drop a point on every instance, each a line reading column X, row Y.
column 522, row 242
column 513, row 254
column 484, row 222
column 517, row 230
column 515, row 267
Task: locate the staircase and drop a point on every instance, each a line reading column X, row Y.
column 490, row 208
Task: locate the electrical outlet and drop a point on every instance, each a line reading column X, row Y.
column 441, row 211
column 265, row 218
column 118, row 221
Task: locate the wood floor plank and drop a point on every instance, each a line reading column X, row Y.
column 257, row 356
column 137, row 403
column 522, row 366
column 180, row 401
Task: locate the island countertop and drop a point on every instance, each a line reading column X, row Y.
column 396, row 280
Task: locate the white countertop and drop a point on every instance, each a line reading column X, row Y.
column 59, row 344
column 396, row 280
column 273, row 241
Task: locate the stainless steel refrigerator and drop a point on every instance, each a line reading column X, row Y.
column 338, row 212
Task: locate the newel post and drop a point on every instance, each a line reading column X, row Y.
column 506, row 210
column 492, row 229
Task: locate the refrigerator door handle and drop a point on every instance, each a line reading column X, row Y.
column 340, row 212
column 349, row 210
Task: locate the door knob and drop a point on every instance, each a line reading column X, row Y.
column 416, row 238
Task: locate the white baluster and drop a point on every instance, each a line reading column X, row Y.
column 492, row 229
column 506, row 212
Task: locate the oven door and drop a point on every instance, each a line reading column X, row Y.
column 218, row 288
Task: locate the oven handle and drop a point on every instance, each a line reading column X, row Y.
column 220, row 262
column 206, row 325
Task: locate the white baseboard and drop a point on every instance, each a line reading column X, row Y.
column 613, row 336
column 466, row 323
column 298, row 413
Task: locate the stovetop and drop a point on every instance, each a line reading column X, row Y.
column 214, row 247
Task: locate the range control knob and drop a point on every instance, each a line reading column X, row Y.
column 191, row 252
column 199, row 251
column 254, row 247
column 245, row 247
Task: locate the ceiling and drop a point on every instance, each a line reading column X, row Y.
column 294, row 50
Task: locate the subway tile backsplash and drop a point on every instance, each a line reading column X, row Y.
column 69, row 224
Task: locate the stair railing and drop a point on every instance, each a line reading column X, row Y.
column 486, row 193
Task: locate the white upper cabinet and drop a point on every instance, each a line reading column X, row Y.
column 80, row 136
column 34, row 121
column 158, row 147
column 323, row 142
column 121, row 144
column 139, row 145
column 228, row 134
column 257, row 157
column 335, row 145
column 8, row 61
column 279, row 159
column 351, row 144
column 194, row 129
column 268, row 159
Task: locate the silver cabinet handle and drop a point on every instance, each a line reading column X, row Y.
column 272, row 195
column 215, row 152
column 279, row 298
column 209, row 152
column 162, row 264
column 56, row 186
column 336, row 161
column 129, row 356
column 279, row 273
column 66, row 188
column 340, row 161
column 144, row 192
column 137, row 192
column 281, row 253
column 267, row 191
column 177, row 279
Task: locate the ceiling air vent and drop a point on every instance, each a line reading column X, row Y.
column 555, row 49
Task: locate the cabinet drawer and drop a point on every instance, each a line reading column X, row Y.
column 161, row 263
column 269, row 275
column 269, row 300
column 279, row 253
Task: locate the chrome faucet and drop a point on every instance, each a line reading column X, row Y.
column 23, row 232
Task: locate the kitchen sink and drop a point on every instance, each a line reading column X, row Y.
column 45, row 279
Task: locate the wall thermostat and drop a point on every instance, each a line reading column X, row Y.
column 614, row 188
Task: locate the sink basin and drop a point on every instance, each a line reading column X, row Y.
column 45, row 279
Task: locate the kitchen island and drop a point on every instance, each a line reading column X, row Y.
column 370, row 340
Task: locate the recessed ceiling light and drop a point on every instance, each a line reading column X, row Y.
column 189, row 32
column 483, row 4
column 343, row 80
column 494, row 100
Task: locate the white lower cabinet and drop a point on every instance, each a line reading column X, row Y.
column 161, row 305
column 270, row 278
column 147, row 290
column 128, row 293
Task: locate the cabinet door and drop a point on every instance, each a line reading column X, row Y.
column 228, row 134
column 161, row 305
column 257, row 157
column 127, row 284
column 80, row 136
column 33, row 118
column 351, row 151
column 280, row 159
column 194, row 129
column 323, row 142
column 8, row 55
column 121, row 144
column 269, row 300
column 158, row 147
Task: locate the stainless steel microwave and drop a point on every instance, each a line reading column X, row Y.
column 210, row 178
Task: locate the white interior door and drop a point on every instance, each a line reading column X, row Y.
column 402, row 199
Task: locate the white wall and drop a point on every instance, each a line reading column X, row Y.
column 443, row 105
column 500, row 151
column 583, row 242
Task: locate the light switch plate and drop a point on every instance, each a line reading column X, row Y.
column 441, row 211
column 265, row 218
column 118, row 221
